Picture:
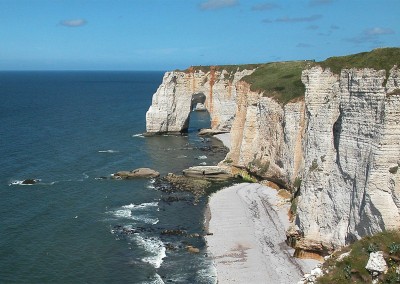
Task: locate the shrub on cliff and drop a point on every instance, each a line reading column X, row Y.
column 351, row 269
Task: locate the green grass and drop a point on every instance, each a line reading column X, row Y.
column 378, row 59
column 352, row 268
column 279, row 80
column 282, row 80
column 229, row 68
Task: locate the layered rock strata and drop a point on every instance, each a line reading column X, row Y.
column 340, row 144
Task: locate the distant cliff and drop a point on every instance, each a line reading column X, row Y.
column 328, row 131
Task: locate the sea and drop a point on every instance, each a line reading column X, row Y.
column 69, row 131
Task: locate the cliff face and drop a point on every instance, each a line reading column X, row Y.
column 342, row 141
column 179, row 91
column 350, row 182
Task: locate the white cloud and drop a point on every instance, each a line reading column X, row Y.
column 299, row 19
column 372, row 35
column 73, row 23
column 378, row 31
column 217, row 4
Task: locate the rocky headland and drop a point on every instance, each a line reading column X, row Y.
column 327, row 131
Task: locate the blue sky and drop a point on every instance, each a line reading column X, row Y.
column 175, row 34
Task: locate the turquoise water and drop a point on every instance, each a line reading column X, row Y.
column 70, row 131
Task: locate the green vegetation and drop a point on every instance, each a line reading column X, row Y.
column 293, row 206
column 352, row 268
column 258, row 167
column 282, row 80
column 378, row 59
column 314, row 165
column 279, row 80
column 228, row 161
column 246, row 177
column 229, row 68
column 297, row 182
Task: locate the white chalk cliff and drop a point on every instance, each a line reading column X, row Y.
column 342, row 140
column 179, row 93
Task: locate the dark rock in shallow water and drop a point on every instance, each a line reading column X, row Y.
column 170, row 247
column 30, row 181
column 137, row 173
column 176, row 232
column 170, row 199
column 193, row 185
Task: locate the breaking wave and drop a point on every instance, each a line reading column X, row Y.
column 154, row 247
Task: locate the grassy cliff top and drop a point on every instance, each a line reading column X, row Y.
column 282, row 80
column 228, row 68
column 378, row 59
column 279, row 80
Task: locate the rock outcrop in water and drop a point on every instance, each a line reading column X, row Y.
column 339, row 144
column 137, row 173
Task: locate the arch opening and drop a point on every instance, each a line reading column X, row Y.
column 198, row 101
column 199, row 116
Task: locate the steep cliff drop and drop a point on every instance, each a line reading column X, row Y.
column 337, row 147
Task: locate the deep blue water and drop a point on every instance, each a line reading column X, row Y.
column 68, row 129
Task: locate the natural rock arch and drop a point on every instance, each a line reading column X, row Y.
column 198, row 112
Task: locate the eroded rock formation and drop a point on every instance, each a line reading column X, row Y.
column 341, row 142
column 179, row 93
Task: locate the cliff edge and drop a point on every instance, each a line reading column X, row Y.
column 328, row 131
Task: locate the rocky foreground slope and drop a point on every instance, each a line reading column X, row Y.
column 337, row 146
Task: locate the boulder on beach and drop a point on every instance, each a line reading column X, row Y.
column 137, row 173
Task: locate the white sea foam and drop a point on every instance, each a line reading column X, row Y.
column 202, row 157
column 140, row 135
column 129, row 212
column 153, row 246
column 155, row 280
column 140, row 206
column 108, row 151
column 123, row 213
column 151, row 183
column 150, row 186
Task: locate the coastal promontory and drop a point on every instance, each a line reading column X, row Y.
column 327, row 131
